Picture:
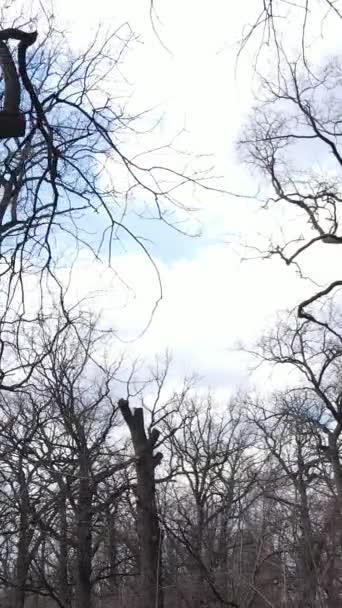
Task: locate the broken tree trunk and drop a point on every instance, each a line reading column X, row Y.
column 148, row 528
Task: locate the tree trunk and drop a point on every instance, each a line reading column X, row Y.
column 198, row 582
column 84, row 536
column 333, row 453
column 308, row 572
column 112, row 553
column 147, row 516
column 24, row 541
column 64, row 587
column 22, row 564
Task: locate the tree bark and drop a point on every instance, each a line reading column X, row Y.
column 148, row 528
column 64, row 587
column 24, row 541
column 84, row 536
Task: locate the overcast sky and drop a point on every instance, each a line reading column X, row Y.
column 211, row 299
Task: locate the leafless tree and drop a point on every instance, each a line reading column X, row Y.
column 149, row 532
column 209, row 453
column 293, row 136
column 75, row 181
column 164, row 419
column 294, row 479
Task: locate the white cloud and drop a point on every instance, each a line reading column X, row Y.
column 210, row 302
column 210, row 299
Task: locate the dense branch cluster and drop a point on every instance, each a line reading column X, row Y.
column 194, row 504
column 293, row 136
column 75, row 182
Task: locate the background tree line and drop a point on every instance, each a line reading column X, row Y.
column 166, row 496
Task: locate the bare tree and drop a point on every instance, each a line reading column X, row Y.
column 76, row 167
column 293, row 138
column 277, row 23
column 81, row 459
column 294, row 479
column 315, row 354
column 149, row 532
column 209, row 455
column 151, row 426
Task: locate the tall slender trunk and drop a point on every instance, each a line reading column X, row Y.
column 334, row 456
column 148, row 528
column 24, row 541
column 84, row 536
column 64, row 587
column 112, row 553
column 198, row 583
column 308, row 575
column 22, row 564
